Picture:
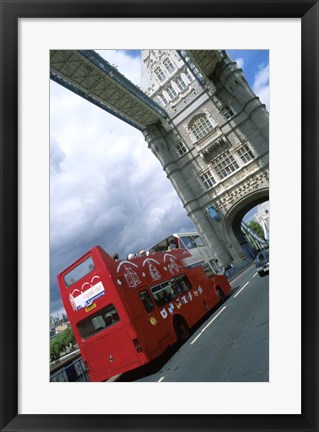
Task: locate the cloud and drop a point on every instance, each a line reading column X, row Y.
column 240, row 62
column 125, row 64
column 106, row 186
column 259, row 80
column 57, row 156
column 261, row 83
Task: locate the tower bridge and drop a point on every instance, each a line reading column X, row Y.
column 200, row 119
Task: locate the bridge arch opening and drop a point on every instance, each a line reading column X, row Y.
column 233, row 223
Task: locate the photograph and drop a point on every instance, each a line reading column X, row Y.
column 159, row 215
column 143, row 147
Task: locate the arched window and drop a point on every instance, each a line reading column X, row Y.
column 169, row 65
column 159, row 73
column 163, row 99
column 171, row 92
column 188, row 75
column 200, row 126
column 180, row 84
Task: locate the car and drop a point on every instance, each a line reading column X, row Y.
column 262, row 263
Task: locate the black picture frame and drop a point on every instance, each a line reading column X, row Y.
column 11, row 11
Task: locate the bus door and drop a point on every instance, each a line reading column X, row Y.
column 150, row 324
column 111, row 348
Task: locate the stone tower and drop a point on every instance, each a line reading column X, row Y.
column 214, row 146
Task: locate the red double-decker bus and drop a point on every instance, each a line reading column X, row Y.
column 126, row 313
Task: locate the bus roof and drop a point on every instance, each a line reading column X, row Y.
column 184, row 234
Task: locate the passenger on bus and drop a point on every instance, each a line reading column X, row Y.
column 142, row 253
column 172, row 245
column 115, row 256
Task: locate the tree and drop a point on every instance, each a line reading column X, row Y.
column 55, row 349
column 59, row 343
column 256, row 227
column 67, row 337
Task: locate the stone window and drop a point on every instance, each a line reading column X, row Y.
column 181, row 148
column 171, row 92
column 200, row 126
column 159, row 73
column 225, row 109
column 163, row 99
column 180, row 83
column 245, row 153
column 225, row 164
column 188, row 75
column 227, row 112
column 169, row 65
column 208, row 179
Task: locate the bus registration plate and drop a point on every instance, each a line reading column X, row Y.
column 89, row 308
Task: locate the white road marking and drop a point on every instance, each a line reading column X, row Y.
column 194, row 340
column 255, row 274
column 161, row 379
column 241, row 289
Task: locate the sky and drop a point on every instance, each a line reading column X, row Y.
column 106, row 187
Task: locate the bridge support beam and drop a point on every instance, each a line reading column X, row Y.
column 161, row 144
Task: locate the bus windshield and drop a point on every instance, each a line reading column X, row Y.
column 192, row 242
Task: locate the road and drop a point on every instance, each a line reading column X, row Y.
column 232, row 344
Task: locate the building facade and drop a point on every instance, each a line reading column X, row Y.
column 214, row 147
column 262, row 217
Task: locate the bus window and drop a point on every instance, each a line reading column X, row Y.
column 198, row 241
column 163, row 293
column 160, row 247
column 172, row 243
column 188, row 242
column 147, row 301
column 181, row 244
column 98, row 321
column 79, row 272
column 181, row 285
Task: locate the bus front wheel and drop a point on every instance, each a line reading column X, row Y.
column 181, row 328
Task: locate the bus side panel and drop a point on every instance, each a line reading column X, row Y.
column 155, row 337
column 213, row 282
column 153, row 333
column 222, row 282
column 206, row 300
column 205, row 296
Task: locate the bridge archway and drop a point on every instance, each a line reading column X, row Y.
column 235, row 215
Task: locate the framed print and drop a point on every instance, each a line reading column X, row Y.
column 30, row 32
